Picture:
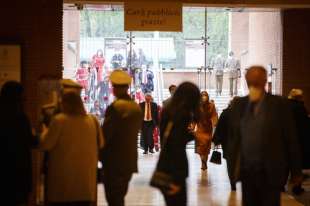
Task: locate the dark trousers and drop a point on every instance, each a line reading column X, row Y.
column 147, row 136
column 72, row 204
column 256, row 191
column 116, row 187
column 233, row 86
column 219, row 84
column 179, row 199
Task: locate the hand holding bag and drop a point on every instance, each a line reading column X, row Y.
column 216, row 156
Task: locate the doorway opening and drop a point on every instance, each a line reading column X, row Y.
column 95, row 44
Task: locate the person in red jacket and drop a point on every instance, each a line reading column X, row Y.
column 82, row 75
column 98, row 62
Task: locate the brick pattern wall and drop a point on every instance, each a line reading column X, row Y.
column 296, row 51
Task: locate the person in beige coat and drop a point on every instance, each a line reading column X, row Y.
column 72, row 141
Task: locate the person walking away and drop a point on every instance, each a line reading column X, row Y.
column 176, row 125
column 72, row 141
column 172, row 89
column 221, row 137
column 219, row 65
column 303, row 129
column 120, row 128
column 264, row 143
column 233, row 66
column 150, row 121
column 17, row 138
column 207, row 121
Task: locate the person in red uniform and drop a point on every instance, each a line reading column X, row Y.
column 82, row 75
column 98, row 62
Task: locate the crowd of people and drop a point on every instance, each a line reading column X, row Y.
column 265, row 140
column 93, row 75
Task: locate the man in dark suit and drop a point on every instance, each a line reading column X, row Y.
column 120, row 128
column 262, row 147
column 172, row 89
column 150, row 121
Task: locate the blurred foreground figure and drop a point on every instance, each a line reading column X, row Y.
column 176, row 131
column 121, row 125
column 263, row 144
column 303, row 129
column 207, row 120
column 72, row 141
column 221, row 137
column 17, row 138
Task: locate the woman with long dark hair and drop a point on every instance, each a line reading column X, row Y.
column 176, row 132
column 17, row 137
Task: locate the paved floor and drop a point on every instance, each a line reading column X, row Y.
column 209, row 188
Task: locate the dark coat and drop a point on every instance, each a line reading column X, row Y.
column 221, row 135
column 120, row 128
column 17, row 138
column 303, row 130
column 281, row 150
column 154, row 112
column 173, row 158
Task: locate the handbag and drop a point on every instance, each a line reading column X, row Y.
column 216, row 157
column 160, row 179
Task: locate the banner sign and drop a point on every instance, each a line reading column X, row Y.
column 153, row 16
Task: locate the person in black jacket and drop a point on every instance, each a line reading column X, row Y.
column 263, row 145
column 150, row 121
column 221, row 137
column 18, row 139
column 120, row 128
column 303, row 129
column 181, row 112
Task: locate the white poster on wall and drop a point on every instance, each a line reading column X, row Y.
column 194, row 54
column 10, row 63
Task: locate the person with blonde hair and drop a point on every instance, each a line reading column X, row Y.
column 72, row 141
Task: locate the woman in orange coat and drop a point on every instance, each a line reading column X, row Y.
column 207, row 121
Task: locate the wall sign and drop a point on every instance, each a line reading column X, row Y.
column 153, row 16
column 10, row 63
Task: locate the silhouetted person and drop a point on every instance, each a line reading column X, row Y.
column 150, row 121
column 17, row 140
column 172, row 89
column 221, row 137
column 233, row 66
column 121, row 125
column 264, row 143
column 218, row 65
column 303, row 129
column 72, row 141
column 177, row 120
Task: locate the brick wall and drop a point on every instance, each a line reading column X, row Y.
column 296, row 52
column 37, row 25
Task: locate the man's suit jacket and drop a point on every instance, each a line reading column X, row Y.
column 281, row 150
column 120, row 128
column 154, row 112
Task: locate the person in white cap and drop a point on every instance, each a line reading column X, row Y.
column 120, row 128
